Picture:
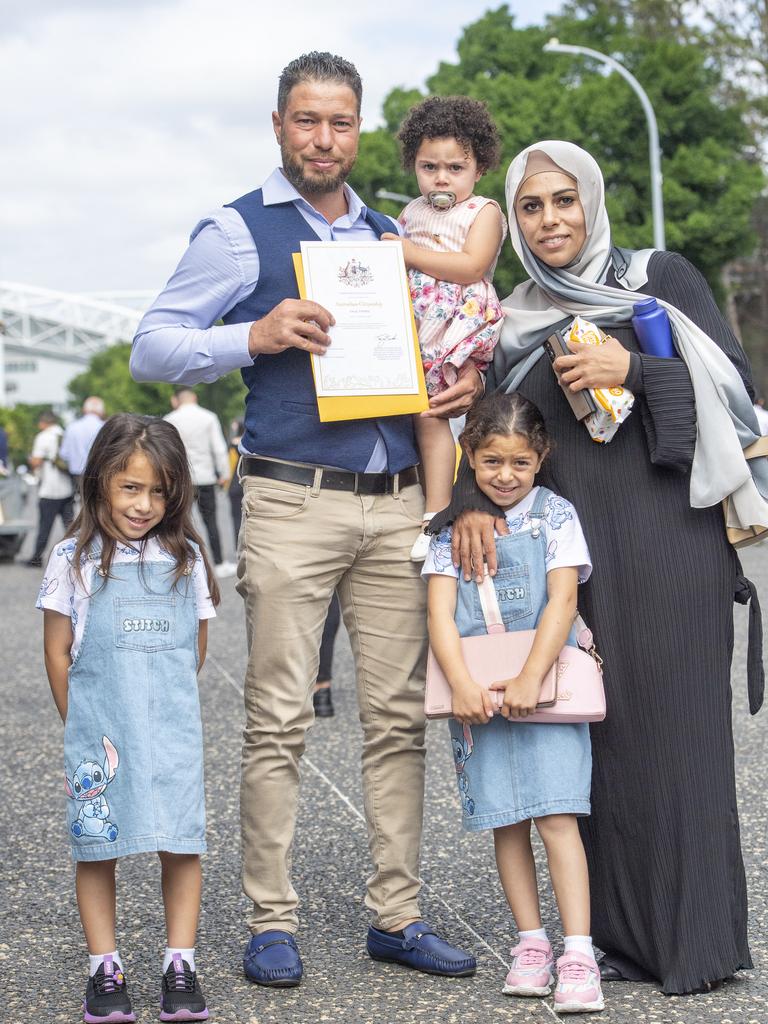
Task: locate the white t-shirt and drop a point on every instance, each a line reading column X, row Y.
column 62, row 592
column 53, row 483
column 563, row 536
column 207, row 451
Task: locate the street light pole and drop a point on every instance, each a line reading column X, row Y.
column 654, row 150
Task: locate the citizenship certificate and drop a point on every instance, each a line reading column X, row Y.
column 373, row 349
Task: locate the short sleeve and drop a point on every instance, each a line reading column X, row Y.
column 438, row 561
column 566, row 544
column 58, row 586
column 40, row 447
column 205, row 609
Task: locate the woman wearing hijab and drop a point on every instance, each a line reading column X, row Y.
column 668, row 885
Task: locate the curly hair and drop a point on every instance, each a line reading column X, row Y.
column 502, row 414
column 451, row 117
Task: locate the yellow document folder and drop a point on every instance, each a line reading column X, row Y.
column 361, row 407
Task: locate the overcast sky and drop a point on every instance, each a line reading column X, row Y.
column 125, row 121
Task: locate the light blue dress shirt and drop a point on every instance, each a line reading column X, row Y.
column 77, row 441
column 176, row 340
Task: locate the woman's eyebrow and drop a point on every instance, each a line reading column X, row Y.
column 559, row 192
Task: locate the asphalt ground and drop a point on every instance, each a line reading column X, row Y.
column 42, row 955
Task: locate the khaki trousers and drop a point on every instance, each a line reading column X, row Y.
column 297, row 544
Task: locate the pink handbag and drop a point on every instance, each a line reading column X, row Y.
column 572, row 690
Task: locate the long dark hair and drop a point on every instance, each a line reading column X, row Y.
column 122, row 436
column 498, row 413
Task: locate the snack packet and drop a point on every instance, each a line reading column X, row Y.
column 613, row 404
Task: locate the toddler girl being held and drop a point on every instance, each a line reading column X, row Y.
column 126, row 598
column 451, row 245
column 512, row 772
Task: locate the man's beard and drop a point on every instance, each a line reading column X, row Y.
column 318, row 184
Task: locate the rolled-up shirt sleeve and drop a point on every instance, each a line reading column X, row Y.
column 176, row 340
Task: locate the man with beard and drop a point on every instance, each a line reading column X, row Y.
column 328, row 506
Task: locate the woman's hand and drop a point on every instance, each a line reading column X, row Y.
column 473, row 543
column 594, row 366
column 521, row 695
column 471, row 704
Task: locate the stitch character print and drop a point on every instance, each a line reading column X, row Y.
column 86, row 787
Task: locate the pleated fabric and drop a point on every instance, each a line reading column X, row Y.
column 667, row 878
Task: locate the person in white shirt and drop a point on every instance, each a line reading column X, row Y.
column 208, row 457
column 55, row 489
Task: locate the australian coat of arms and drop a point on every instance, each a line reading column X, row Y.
column 355, row 273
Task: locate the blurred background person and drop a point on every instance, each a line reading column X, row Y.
column 206, row 449
column 54, row 492
column 235, row 487
column 79, row 436
column 321, row 698
column 207, row 452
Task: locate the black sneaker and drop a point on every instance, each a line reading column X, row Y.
column 106, row 997
column 182, row 998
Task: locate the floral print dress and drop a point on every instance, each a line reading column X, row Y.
column 455, row 322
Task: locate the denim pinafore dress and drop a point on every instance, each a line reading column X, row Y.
column 510, row 771
column 133, row 745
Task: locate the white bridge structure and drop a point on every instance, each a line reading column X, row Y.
column 48, row 337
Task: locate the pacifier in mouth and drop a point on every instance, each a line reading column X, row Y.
column 441, row 200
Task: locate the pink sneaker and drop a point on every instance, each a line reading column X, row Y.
column 578, row 984
column 531, row 973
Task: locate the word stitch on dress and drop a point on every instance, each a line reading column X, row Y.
column 146, row 625
column 511, row 593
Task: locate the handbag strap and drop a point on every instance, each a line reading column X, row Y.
column 495, row 624
column 490, row 604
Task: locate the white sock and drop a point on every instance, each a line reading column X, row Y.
column 537, row 933
column 186, row 954
column 428, row 516
column 95, row 962
column 579, row 944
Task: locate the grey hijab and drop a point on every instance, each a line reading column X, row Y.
column 726, row 422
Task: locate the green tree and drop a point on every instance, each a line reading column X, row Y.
column 108, row 376
column 20, row 424
column 711, row 176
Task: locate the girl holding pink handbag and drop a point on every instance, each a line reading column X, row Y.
column 511, row 772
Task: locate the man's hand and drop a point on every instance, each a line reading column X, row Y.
column 471, row 705
column 473, row 543
column 521, row 694
column 457, row 399
column 594, row 366
column 294, row 323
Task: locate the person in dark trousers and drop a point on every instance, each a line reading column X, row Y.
column 207, row 453
column 321, row 698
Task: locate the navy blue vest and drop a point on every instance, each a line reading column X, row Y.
column 281, row 417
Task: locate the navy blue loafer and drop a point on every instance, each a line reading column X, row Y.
column 420, row 948
column 272, row 958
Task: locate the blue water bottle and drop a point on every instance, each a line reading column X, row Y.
column 653, row 329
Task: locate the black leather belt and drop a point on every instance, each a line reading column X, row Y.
column 333, row 479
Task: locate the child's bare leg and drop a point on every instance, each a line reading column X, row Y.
column 95, row 889
column 568, row 870
column 438, row 460
column 517, row 871
column 182, row 882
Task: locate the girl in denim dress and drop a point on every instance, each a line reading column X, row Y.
column 510, row 772
column 126, row 599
